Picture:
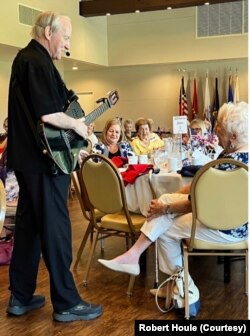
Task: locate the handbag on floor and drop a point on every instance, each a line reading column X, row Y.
column 6, row 246
column 175, row 295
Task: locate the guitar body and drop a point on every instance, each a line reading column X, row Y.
column 63, row 146
column 63, row 149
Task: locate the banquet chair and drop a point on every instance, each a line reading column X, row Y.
column 11, row 211
column 219, row 201
column 10, row 218
column 83, row 201
column 2, row 205
column 105, row 190
column 73, row 185
column 154, row 196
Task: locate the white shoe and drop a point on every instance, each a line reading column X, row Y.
column 132, row 269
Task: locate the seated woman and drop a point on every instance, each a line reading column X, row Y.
column 111, row 141
column 7, row 175
column 201, row 139
column 3, row 136
column 91, row 135
column 145, row 142
column 170, row 218
column 198, row 127
column 128, row 127
column 197, row 132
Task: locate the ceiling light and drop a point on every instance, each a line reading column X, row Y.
column 108, row 14
column 137, row 11
column 169, row 8
column 74, row 67
column 206, row 3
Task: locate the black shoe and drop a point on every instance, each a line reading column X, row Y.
column 17, row 308
column 82, row 311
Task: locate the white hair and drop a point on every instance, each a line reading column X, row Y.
column 52, row 19
column 234, row 120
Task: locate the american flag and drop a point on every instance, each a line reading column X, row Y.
column 216, row 105
column 236, row 90
column 183, row 105
column 207, row 104
column 195, row 102
column 230, row 90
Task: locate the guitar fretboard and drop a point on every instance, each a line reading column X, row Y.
column 96, row 113
column 90, row 117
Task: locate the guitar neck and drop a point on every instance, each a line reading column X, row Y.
column 96, row 113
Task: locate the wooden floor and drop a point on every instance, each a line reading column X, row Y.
column 218, row 300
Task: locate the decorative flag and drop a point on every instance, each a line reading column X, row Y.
column 230, row 90
column 183, row 106
column 207, row 104
column 195, row 102
column 216, row 105
column 180, row 101
column 236, row 90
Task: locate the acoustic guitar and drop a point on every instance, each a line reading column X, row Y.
column 63, row 146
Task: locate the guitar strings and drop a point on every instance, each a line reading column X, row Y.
column 71, row 134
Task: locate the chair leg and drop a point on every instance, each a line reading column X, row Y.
column 156, row 283
column 227, row 269
column 131, row 285
column 127, row 242
column 83, row 243
column 246, row 274
column 186, row 284
column 92, row 250
column 71, row 190
column 143, row 262
column 102, row 244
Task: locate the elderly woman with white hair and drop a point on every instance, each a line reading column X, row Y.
column 170, row 218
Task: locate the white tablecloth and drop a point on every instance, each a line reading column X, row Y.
column 139, row 194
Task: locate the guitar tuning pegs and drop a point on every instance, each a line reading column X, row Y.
column 100, row 100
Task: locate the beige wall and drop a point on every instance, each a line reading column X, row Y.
column 4, row 86
column 153, row 91
column 167, row 37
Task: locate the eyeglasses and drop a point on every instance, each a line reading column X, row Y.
column 196, row 129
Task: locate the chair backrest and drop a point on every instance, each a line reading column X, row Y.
column 153, row 192
column 89, row 146
column 220, row 197
column 103, row 184
column 81, row 194
column 2, row 204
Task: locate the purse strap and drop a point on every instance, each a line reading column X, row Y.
column 171, row 282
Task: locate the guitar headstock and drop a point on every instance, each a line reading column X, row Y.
column 111, row 99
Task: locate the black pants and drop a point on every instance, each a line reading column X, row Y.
column 43, row 224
